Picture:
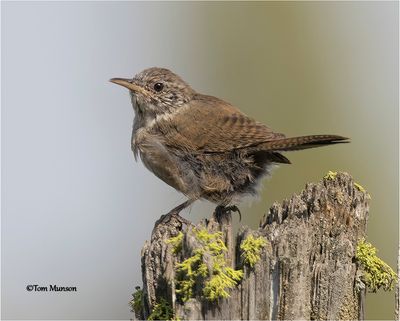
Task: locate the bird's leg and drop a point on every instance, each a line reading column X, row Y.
column 220, row 209
column 175, row 213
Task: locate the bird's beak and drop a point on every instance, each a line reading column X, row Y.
column 128, row 84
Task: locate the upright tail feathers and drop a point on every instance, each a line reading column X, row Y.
column 303, row 142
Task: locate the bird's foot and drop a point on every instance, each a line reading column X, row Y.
column 174, row 213
column 166, row 218
column 220, row 209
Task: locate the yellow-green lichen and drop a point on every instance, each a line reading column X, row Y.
column 359, row 187
column 208, row 267
column 223, row 279
column 136, row 302
column 176, row 242
column 161, row 311
column 362, row 189
column 330, row 175
column 251, row 249
column 188, row 272
column 377, row 274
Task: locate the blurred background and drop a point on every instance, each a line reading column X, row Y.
column 76, row 208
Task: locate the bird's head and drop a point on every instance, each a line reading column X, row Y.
column 156, row 91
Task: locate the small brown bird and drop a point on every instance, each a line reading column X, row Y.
column 201, row 145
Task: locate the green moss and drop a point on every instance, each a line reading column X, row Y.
column 161, row 311
column 377, row 274
column 251, row 248
column 330, row 175
column 207, row 267
column 176, row 243
column 136, row 302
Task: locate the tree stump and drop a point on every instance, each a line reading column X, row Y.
column 299, row 264
column 397, row 295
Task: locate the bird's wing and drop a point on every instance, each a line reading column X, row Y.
column 212, row 125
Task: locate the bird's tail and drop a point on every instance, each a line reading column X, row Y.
column 303, row 142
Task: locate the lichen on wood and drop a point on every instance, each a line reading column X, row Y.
column 251, row 249
column 299, row 264
column 137, row 302
column 377, row 274
column 206, row 267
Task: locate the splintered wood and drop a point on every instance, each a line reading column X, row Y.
column 298, row 265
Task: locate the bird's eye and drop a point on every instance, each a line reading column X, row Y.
column 158, row 86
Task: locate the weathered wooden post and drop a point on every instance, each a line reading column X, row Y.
column 397, row 296
column 299, row 264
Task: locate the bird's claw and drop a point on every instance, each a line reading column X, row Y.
column 220, row 209
column 166, row 218
column 234, row 208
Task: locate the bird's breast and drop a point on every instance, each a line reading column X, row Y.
column 159, row 160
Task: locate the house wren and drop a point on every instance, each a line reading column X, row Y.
column 201, row 145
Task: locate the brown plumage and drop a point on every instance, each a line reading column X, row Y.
column 201, row 145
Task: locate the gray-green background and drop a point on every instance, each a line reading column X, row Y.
column 76, row 208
